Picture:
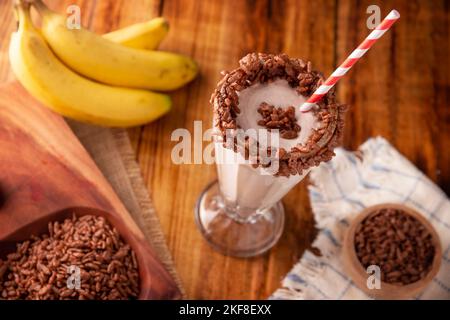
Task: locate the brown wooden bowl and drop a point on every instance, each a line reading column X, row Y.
column 357, row 272
column 146, row 261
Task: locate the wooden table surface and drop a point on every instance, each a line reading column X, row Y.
column 400, row 90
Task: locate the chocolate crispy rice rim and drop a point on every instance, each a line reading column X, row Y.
column 264, row 68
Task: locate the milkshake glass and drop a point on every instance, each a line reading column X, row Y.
column 241, row 214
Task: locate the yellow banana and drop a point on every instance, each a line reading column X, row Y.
column 68, row 93
column 145, row 35
column 100, row 59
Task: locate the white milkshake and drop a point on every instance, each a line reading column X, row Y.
column 249, row 187
column 242, row 214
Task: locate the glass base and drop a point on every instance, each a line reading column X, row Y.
column 232, row 235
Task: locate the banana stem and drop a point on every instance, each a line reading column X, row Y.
column 22, row 13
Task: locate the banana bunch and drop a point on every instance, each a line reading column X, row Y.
column 104, row 80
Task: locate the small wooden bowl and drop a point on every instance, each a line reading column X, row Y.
column 357, row 272
column 152, row 279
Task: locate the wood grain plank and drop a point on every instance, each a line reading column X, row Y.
column 7, row 26
column 400, row 90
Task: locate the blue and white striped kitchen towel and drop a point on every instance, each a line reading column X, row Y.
column 343, row 187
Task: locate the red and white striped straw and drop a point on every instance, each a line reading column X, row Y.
column 351, row 60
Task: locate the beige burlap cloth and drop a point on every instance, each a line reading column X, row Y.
column 112, row 152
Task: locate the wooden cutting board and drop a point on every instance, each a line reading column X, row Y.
column 45, row 169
